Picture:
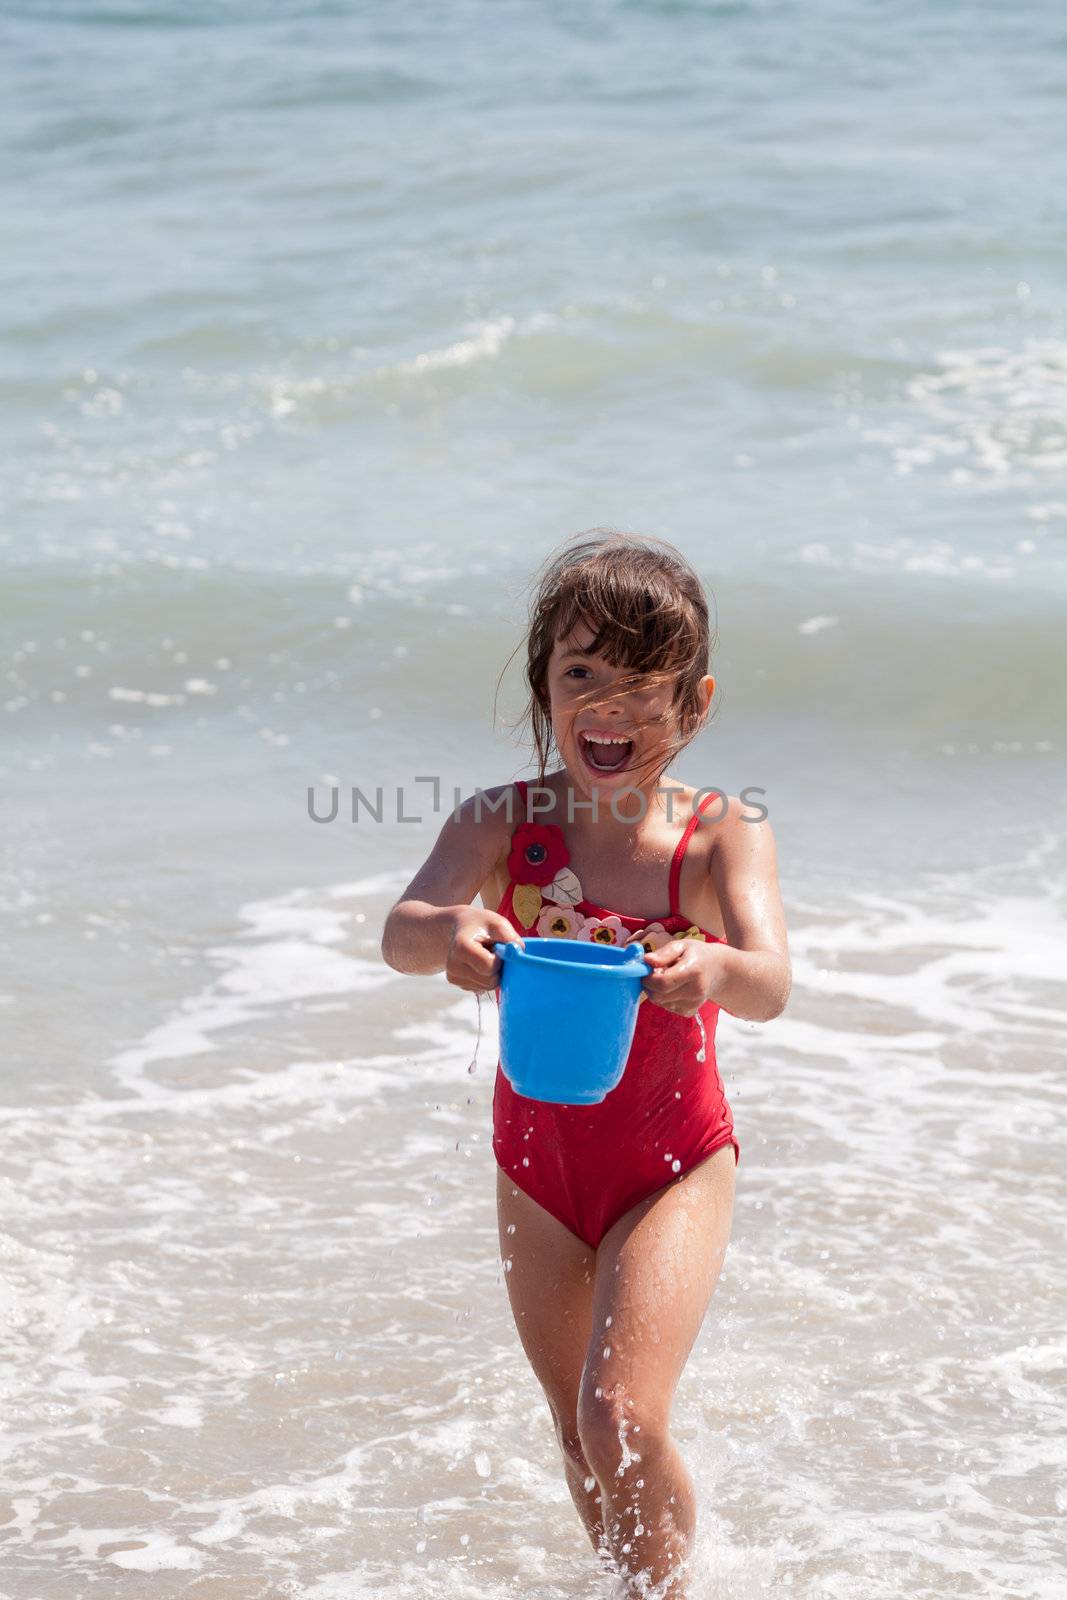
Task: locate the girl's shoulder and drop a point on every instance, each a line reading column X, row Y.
column 712, row 805
column 731, row 827
column 495, row 810
column 715, row 805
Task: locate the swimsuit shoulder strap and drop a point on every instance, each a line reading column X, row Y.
column 518, row 817
column 682, row 847
column 517, row 814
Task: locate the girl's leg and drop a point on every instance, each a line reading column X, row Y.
column 549, row 1274
column 656, row 1271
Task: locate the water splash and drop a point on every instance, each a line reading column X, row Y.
column 472, row 1069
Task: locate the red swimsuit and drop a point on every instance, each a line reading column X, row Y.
column 587, row 1165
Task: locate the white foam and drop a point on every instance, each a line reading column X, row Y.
column 486, row 341
column 284, row 956
column 989, row 414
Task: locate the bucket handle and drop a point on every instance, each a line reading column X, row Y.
column 503, row 946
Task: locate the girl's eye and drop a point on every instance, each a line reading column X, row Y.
column 575, row 669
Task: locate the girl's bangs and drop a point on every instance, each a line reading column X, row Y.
column 627, row 635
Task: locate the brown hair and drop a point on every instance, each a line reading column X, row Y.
column 647, row 610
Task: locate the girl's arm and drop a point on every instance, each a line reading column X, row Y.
column 433, row 927
column 751, row 975
column 756, row 974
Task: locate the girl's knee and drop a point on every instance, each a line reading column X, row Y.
column 616, row 1430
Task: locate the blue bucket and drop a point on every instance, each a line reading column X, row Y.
column 568, row 1010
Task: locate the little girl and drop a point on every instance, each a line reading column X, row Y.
column 614, row 1218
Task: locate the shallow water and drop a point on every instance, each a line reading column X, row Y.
column 321, row 327
column 258, row 1340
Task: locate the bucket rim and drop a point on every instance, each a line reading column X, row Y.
column 628, row 968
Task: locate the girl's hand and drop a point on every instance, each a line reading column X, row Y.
column 471, row 962
column 684, row 975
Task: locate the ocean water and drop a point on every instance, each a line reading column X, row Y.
column 321, row 324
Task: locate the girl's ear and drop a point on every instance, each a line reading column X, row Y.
column 707, row 689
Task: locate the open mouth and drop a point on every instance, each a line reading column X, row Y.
column 604, row 752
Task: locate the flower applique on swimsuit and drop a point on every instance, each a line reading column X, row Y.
column 546, row 896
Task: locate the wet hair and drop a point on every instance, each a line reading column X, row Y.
column 648, row 612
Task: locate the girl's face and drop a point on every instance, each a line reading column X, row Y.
column 621, row 742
